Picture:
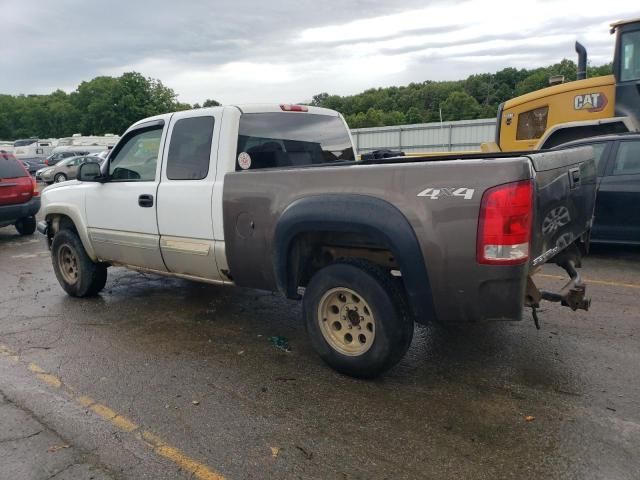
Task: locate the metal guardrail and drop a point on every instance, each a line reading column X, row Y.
column 447, row 136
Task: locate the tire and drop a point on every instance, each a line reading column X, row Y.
column 83, row 277
column 374, row 348
column 60, row 177
column 26, row 225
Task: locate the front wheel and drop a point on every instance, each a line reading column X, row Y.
column 357, row 318
column 60, row 177
column 78, row 275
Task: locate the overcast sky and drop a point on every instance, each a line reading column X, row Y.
column 288, row 50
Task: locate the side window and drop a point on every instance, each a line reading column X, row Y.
column 598, row 150
column 190, row 149
column 136, row 159
column 627, row 159
column 532, row 124
column 630, row 65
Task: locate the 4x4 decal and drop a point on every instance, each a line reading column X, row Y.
column 436, row 193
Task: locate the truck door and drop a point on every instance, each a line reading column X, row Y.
column 185, row 194
column 121, row 213
column 618, row 204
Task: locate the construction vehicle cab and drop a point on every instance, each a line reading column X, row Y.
column 583, row 108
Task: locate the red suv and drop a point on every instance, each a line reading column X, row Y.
column 19, row 197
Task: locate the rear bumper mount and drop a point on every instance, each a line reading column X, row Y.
column 572, row 294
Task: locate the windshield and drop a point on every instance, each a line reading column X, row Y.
column 630, row 56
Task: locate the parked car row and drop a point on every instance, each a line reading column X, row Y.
column 66, row 169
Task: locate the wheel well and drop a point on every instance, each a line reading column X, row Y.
column 569, row 134
column 59, row 222
column 311, row 251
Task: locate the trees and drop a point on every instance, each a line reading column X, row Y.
column 98, row 106
column 460, row 106
column 478, row 96
column 210, row 103
column 110, row 104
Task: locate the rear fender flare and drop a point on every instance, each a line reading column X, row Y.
column 350, row 213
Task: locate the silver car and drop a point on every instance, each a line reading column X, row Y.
column 64, row 170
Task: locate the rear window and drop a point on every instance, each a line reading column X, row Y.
column 268, row 140
column 11, row 168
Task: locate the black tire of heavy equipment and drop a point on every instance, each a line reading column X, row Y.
column 394, row 322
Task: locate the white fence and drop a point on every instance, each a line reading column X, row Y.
column 426, row 137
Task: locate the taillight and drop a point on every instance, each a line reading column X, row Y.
column 504, row 226
column 293, row 108
column 35, row 187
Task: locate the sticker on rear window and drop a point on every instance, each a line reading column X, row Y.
column 244, row 160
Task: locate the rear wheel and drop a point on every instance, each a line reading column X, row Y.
column 78, row 275
column 60, row 177
column 357, row 318
column 26, row 226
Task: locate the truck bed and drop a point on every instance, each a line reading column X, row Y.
column 460, row 289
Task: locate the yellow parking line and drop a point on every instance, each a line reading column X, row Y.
column 160, row 447
column 594, row 281
column 50, row 380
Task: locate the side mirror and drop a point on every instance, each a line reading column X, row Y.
column 89, row 172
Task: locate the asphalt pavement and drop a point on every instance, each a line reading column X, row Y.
column 160, row 378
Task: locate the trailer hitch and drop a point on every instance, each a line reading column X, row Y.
column 572, row 294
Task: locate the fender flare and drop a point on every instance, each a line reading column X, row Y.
column 351, row 213
column 54, row 209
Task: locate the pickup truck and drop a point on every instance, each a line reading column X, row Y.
column 272, row 197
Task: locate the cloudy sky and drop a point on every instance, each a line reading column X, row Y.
column 288, row 50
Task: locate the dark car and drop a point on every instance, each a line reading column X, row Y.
column 34, row 164
column 19, row 197
column 54, row 158
column 617, row 218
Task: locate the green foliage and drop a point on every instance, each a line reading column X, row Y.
column 210, row 103
column 111, row 104
column 98, row 106
column 476, row 97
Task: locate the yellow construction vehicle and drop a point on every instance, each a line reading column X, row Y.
column 583, row 108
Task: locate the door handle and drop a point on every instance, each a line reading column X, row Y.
column 574, row 178
column 145, row 200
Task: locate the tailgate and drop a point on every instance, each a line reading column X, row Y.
column 565, row 182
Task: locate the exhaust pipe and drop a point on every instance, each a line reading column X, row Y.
column 582, row 61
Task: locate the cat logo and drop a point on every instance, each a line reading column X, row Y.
column 591, row 102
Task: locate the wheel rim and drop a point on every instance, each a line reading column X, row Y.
column 59, row 178
column 68, row 264
column 346, row 321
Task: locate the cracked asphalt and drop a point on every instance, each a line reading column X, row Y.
column 192, row 364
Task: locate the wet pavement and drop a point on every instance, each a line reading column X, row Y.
column 162, row 378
